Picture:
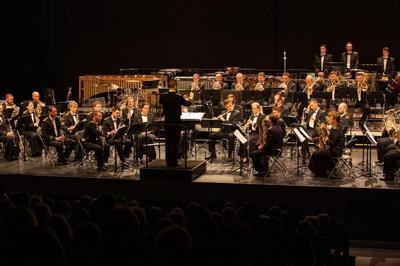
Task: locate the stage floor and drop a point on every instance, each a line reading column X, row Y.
column 220, row 171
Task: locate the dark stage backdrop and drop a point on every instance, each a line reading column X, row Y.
column 48, row 43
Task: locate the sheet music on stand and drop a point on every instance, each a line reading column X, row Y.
column 240, row 134
column 193, row 116
column 299, row 136
column 369, row 135
column 304, row 133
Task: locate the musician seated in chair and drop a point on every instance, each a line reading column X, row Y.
column 94, row 139
column 270, row 143
column 195, row 88
column 38, row 105
column 6, row 134
column 253, row 125
column 391, row 159
column 261, row 84
column 287, row 84
column 145, row 118
column 344, row 117
column 240, row 84
column 71, row 121
column 231, row 116
column 314, row 116
column 28, row 125
column 218, row 83
column 279, row 102
column 52, row 136
column 96, row 107
column 130, row 110
column 9, row 104
column 321, row 160
column 110, row 127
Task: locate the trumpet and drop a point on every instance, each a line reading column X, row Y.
column 239, row 87
column 259, row 87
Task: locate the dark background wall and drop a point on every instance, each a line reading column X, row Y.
column 48, row 43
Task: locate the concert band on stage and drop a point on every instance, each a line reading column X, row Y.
column 38, row 126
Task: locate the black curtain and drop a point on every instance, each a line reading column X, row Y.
column 49, row 43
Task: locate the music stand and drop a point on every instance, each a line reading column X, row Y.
column 49, row 98
column 290, row 121
column 267, row 110
column 346, row 92
column 243, row 138
column 299, row 97
column 253, row 96
column 213, row 96
column 238, row 95
column 371, row 142
column 119, row 135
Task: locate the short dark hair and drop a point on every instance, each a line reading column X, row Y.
column 322, row 45
column 95, row 113
column 273, row 119
column 144, row 104
column 227, row 101
column 386, row 49
column 333, row 72
column 277, row 109
column 51, row 108
column 115, row 108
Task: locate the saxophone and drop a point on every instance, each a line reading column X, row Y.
column 322, row 130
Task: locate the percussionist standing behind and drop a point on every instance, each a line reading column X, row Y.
column 172, row 107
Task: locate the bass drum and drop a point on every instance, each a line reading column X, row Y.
column 394, row 85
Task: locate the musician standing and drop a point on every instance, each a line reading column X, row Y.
column 94, row 139
column 52, row 136
column 240, row 84
column 386, row 64
column 232, row 116
column 350, row 57
column 172, row 107
column 321, row 160
column 28, row 125
column 321, row 59
column 386, row 72
column 270, row 144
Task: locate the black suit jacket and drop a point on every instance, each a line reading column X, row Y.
column 336, row 140
column 282, row 125
column 48, row 130
column 4, row 126
column 25, row 122
column 274, row 139
column 354, row 59
column 125, row 112
column 108, row 124
column 260, row 118
column 317, row 62
column 235, row 117
column 92, row 134
column 320, row 118
column 69, row 120
column 246, row 85
column 390, row 67
column 172, row 106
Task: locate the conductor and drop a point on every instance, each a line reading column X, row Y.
column 172, row 107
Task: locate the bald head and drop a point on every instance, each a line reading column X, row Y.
column 35, row 96
column 218, row 77
column 342, row 108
